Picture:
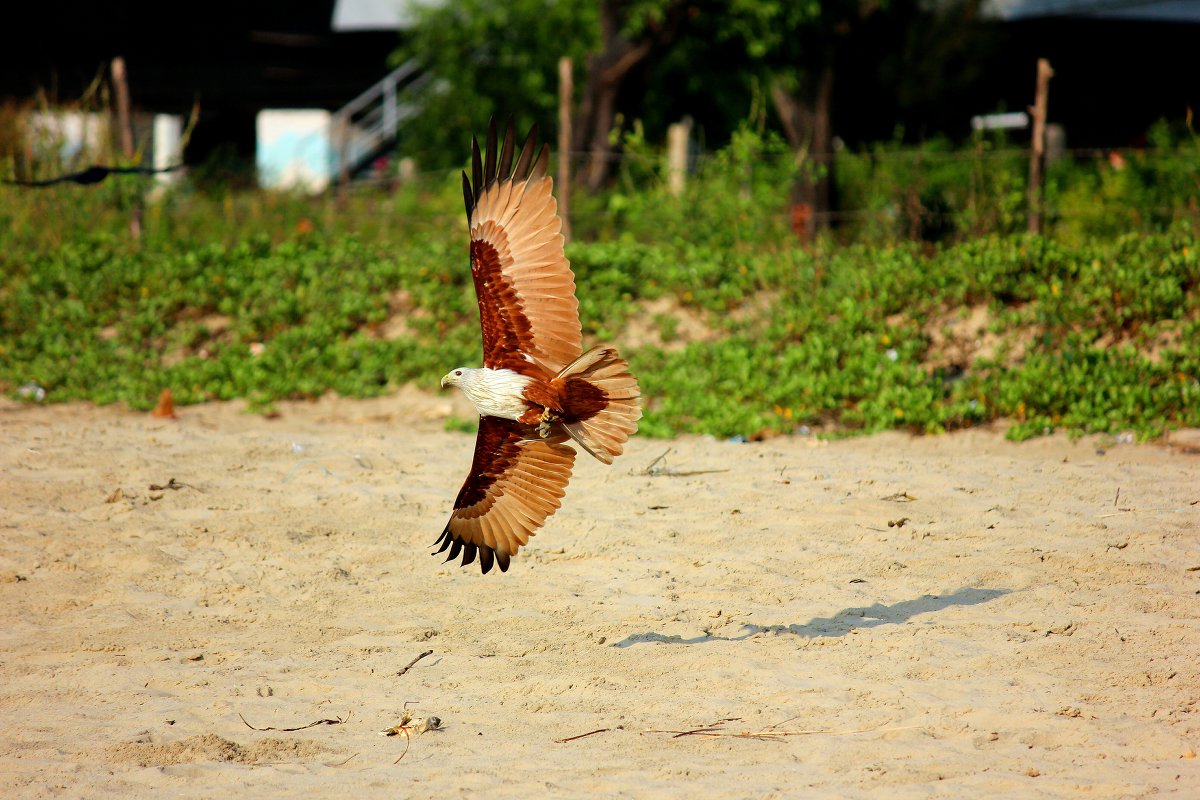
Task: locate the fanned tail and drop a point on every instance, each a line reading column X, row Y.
column 600, row 401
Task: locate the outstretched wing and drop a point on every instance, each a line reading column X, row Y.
column 523, row 281
column 515, row 484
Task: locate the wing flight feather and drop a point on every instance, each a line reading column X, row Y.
column 515, row 483
column 523, row 281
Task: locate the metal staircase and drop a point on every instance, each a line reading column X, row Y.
column 366, row 127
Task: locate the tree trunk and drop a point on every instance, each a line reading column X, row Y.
column 807, row 117
column 125, row 123
column 1037, row 155
column 607, row 69
column 600, row 148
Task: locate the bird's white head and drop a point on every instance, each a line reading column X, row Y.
column 455, row 377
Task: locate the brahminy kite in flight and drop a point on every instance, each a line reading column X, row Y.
column 537, row 388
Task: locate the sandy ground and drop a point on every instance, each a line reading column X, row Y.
column 1026, row 632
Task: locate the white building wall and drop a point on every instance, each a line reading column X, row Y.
column 294, row 150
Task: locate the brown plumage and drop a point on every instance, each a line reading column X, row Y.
column 537, row 388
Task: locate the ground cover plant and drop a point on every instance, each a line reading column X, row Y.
column 735, row 327
column 1085, row 337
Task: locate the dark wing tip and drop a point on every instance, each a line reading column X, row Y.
column 525, row 160
column 443, row 540
column 487, row 556
column 505, row 164
column 494, row 163
column 542, row 165
column 468, row 195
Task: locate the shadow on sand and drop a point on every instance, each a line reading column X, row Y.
column 840, row 623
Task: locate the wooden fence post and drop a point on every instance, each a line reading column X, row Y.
column 566, row 91
column 125, row 124
column 677, row 156
column 1037, row 156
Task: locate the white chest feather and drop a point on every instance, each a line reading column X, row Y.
column 496, row 392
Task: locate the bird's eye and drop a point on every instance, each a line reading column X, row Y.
column 458, row 373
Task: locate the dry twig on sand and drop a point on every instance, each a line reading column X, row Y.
column 414, row 661
column 771, row 734
column 172, row 484
column 338, row 763
column 337, row 721
column 653, row 469
column 582, row 735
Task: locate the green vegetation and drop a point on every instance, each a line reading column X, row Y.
column 1088, row 339
column 272, row 297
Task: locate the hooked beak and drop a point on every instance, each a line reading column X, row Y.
column 444, row 377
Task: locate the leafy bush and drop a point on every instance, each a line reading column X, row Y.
column 1094, row 338
column 1121, row 192
column 738, row 196
column 283, row 296
column 932, row 192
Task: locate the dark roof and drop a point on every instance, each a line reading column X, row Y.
column 250, row 54
column 1141, row 10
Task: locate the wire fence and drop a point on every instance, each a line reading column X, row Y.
column 886, row 191
column 887, row 182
